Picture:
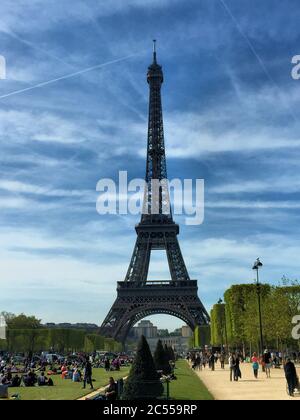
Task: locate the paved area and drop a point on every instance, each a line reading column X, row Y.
column 93, row 394
column 248, row 388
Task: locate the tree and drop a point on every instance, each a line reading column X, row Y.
column 23, row 332
column 201, row 336
column 27, row 340
column 143, row 380
column 279, row 306
column 66, row 339
column 93, row 342
column 22, row 322
column 161, row 359
column 218, row 325
column 7, row 316
column 168, row 357
column 171, row 354
column 163, row 333
column 176, row 333
column 241, row 300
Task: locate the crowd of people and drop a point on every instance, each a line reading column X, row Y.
column 201, row 359
column 266, row 362
column 38, row 371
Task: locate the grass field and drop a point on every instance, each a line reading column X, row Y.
column 65, row 389
column 188, row 386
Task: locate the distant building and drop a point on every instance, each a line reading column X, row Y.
column 78, row 326
column 145, row 328
column 178, row 344
column 186, row 331
column 2, row 328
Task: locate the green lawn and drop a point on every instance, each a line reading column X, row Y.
column 188, row 386
column 65, row 389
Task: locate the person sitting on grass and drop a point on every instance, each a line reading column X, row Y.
column 52, row 371
column 76, row 375
column 64, row 371
column 5, row 381
column 50, row 382
column 42, row 380
column 3, row 390
column 30, row 379
column 111, row 391
column 16, row 381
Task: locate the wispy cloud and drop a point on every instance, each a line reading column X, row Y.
column 225, row 121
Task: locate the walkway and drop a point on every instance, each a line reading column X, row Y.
column 248, row 388
column 93, row 394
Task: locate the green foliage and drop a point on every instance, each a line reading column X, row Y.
column 163, row 333
column 60, row 340
column 171, row 354
column 26, row 334
column 239, row 300
column 191, row 341
column 188, row 385
column 65, row 389
column 22, row 322
column 66, row 339
column 202, row 336
column 26, row 340
column 161, row 358
column 143, row 380
column 218, row 325
column 278, row 304
column 3, row 345
column 93, row 342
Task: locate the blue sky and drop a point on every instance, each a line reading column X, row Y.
column 231, row 113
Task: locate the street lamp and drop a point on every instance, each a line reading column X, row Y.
column 256, row 266
column 223, row 325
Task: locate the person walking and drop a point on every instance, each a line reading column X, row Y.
column 291, row 376
column 231, row 361
column 87, row 375
column 212, row 361
column 267, row 362
column 107, row 364
column 222, row 360
column 237, row 371
column 255, row 364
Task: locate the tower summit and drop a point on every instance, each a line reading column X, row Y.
column 137, row 296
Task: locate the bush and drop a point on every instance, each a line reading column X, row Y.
column 143, row 380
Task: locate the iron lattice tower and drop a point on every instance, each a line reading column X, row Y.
column 137, row 297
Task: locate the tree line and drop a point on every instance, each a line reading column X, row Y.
column 235, row 323
column 26, row 334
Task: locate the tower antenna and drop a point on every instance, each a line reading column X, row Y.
column 154, row 50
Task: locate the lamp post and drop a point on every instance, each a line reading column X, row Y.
column 257, row 265
column 223, row 326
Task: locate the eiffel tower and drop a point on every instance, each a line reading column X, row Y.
column 138, row 298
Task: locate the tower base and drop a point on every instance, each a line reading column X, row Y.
column 136, row 300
